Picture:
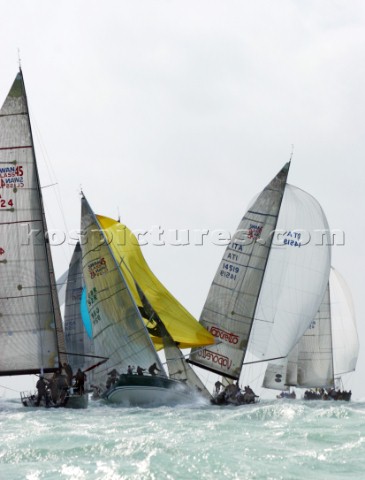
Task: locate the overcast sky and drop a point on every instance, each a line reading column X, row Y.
column 176, row 113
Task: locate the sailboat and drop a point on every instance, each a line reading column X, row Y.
column 328, row 349
column 31, row 332
column 133, row 316
column 268, row 286
column 77, row 323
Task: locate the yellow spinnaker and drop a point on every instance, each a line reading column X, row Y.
column 181, row 325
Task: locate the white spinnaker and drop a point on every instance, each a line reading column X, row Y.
column 295, row 278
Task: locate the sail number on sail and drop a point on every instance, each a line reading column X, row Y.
column 5, row 204
column 292, row 239
column 229, row 271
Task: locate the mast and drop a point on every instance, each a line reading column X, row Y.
column 54, row 295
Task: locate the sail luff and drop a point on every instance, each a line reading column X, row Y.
column 54, row 294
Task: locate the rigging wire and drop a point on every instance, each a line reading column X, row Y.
column 8, row 388
column 53, row 179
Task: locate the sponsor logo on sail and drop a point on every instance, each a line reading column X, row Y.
column 221, row 360
column 97, row 267
column 228, row 337
column 254, row 231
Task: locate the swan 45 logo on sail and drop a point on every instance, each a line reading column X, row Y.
column 11, row 177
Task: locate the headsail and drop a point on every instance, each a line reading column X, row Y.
column 180, row 324
column 31, row 334
column 118, row 329
column 270, row 282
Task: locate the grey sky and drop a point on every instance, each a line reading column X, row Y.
column 178, row 113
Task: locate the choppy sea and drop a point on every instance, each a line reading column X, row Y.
column 286, row 439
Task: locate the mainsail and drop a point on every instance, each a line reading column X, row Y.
column 119, row 331
column 328, row 349
column 270, row 281
column 31, row 335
